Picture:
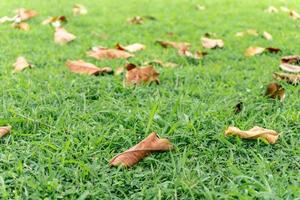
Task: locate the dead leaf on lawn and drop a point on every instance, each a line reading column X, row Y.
column 254, row 133
column 81, row 67
column 135, row 20
column 131, row 48
column 289, row 78
column 22, row 26
column 252, row 32
column 25, row 14
column 197, row 55
column 200, row 7
column 21, row 64
column 7, row 19
column 79, row 9
column 211, row 43
column 119, row 70
column 101, row 53
column 55, row 21
column 290, row 64
column 267, row 36
column 61, row 36
column 161, row 63
column 150, row 144
column 138, row 75
column 252, row 51
column 271, row 9
column 177, row 45
column 294, row 15
column 275, row 91
column 4, row 130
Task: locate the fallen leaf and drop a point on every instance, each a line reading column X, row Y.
column 284, row 9
column 211, row 43
column 177, row 45
column 197, row 55
column 79, row 9
column 200, row 7
column 252, row 51
column 61, row 36
column 55, row 21
column 131, row 48
column 135, row 20
column 119, row 70
column 267, row 36
column 22, row 26
column 271, row 9
column 238, row 107
column 7, row 19
column 252, row 32
column 254, row 133
column 162, row 64
column 275, row 91
column 138, row 75
column 25, row 14
column 289, row 78
column 105, row 53
column 290, row 64
column 294, row 14
column 150, row 144
column 4, row 130
column 21, row 64
column 81, row 67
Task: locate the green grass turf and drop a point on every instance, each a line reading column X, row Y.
column 66, row 127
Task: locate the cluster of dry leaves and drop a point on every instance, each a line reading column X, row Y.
column 135, row 75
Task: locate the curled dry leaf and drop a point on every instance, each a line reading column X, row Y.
column 61, row 36
column 55, row 21
column 4, row 130
column 105, row 53
column 81, row 67
column 197, row 55
column 138, row 75
column 289, row 78
column 21, row 64
column 275, row 91
column 25, row 14
column 135, row 20
column 22, row 26
column 252, row 51
column 162, row 64
column 290, row 64
column 267, row 36
column 150, row 144
column 79, row 9
column 271, row 9
column 254, row 133
column 211, row 43
column 131, row 48
column 294, row 14
column 177, row 45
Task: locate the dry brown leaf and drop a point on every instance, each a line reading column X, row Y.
column 272, row 49
column 61, row 36
column 290, row 64
column 177, row 45
column 55, row 21
column 135, row 20
column 4, row 130
column 131, row 48
column 252, row 51
column 81, row 67
column 21, row 64
column 289, row 78
column 105, row 53
column 138, row 75
column 162, row 64
column 25, row 14
column 254, row 133
column 150, row 144
column 197, row 55
column 275, row 91
column 79, row 9
column 211, row 43
column 271, row 9
column 294, row 14
column 267, row 36
column 22, row 26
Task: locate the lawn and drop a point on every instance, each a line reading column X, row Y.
column 66, row 127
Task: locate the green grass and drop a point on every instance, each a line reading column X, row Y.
column 66, row 127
